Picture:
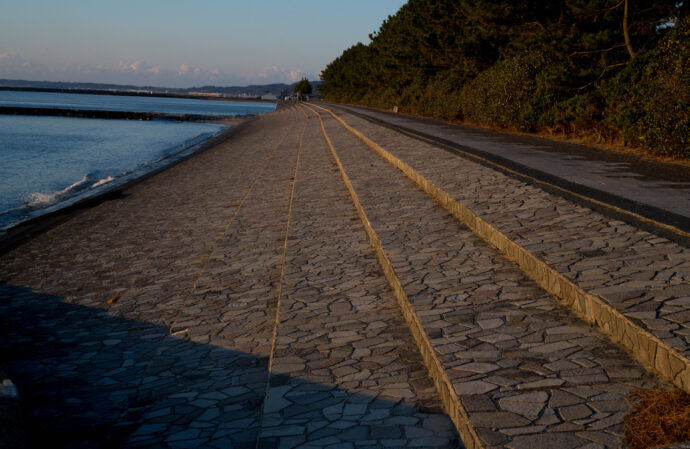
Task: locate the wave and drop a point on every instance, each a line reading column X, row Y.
column 37, row 200
column 42, row 199
column 39, row 203
column 103, row 181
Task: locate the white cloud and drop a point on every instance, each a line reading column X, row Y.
column 183, row 69
column 295, row 75
column 141, row 72
column 274, row 74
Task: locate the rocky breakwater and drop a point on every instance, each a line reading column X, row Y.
column 103, row 114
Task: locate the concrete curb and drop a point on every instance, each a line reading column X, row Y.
column 645, row 347
column 444, row 386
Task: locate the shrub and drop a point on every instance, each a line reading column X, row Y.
column 441, row 99
column 649, row 100
column 503, row 94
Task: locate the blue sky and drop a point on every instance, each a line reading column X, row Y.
column 181, row 43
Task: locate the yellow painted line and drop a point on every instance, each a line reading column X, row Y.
column 648, row 349
column 303, row 112
column 285, row 246
column 276, row 319
column 444, row 386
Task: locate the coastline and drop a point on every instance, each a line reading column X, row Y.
column 16, row 235
column 131, row 93
column 110, row 115
column 243, row 264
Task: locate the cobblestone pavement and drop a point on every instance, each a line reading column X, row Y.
column 234, row 301
column 630, row 181
column 346, row 368
column 82, row 364
column 148, row 321
column 643, row 276
column 527, row 371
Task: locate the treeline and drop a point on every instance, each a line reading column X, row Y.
column 614, row 70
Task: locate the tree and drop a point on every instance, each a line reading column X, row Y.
column 422, row 57
column 303, row 88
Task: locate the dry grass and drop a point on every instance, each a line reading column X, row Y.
column 660, row 418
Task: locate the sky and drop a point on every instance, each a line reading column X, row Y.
column 181, row 43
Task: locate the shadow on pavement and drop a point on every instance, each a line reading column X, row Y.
column 91, row 380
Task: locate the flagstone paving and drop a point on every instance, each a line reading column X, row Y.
column 148, row 321
column 218, row 394
column 527, row 371
column 346, row 371
column 235, row 301
column 642, row 275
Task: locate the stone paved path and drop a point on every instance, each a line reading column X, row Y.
column 212, row 395
column 528, row 372
column 658, row 190
column 235, row 301
column 644, row 277
column 345, row 368
column 84, row 365
column 194, row 257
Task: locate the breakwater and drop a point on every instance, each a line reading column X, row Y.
column 131, row 93
column 121, row 115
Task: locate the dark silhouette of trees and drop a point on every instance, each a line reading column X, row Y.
column 524, row 64
column 303, row 88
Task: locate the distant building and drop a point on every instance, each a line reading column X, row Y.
column 204, row 94
column 269, row 96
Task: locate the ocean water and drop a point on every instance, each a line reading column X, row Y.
column 131, row 103
column 49, row 162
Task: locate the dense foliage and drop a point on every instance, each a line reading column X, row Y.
column 611, row 68
column 303, row 88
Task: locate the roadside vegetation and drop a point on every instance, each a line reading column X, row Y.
column 607, row 71
column 303, row 89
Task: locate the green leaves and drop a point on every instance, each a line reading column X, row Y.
column 302, row 88
column 524, row 65
column 648, row 101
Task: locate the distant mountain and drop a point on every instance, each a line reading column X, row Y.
column 278, row 89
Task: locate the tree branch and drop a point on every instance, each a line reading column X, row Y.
column 603, row 72
column 625, row 31
column 537, row 23
column 596, row 12
column 605, row 50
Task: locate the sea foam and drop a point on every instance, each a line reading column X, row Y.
column 41, row 199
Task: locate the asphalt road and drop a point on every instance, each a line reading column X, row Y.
column 652, row 190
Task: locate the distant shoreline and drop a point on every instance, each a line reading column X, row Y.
column 133, row 94
column 119, row 115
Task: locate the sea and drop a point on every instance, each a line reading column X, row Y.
column 48, row 163
column 131, row 103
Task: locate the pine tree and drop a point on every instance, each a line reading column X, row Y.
column 303, row 88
